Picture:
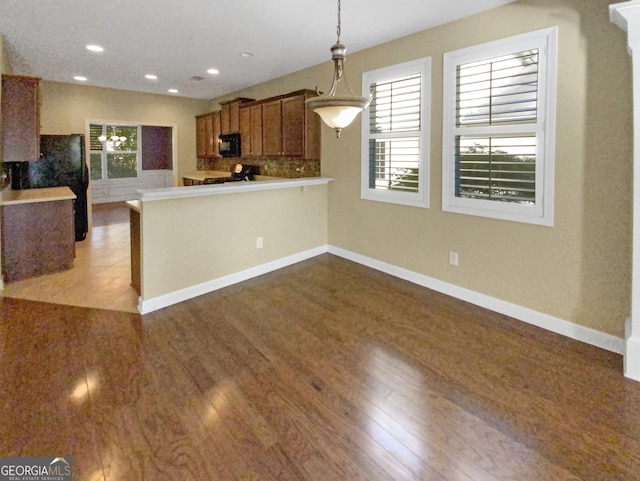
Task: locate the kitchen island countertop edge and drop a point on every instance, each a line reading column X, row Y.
column 146, row 195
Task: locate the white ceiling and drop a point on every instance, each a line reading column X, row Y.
column 179, row 39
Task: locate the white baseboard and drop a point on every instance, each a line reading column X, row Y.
column 530, row 316
column 150, row 305
column 632, row 354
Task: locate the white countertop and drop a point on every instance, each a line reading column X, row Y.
column 133, row 205
column 202, row 174
column 228, row 188
column 30, row 196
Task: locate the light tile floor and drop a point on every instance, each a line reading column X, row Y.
column 101, row 275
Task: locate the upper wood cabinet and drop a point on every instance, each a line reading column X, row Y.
column 216, row 125
column 230, row 115
column 251, row 144
column 297, row 139
column 207, row 132
column 20, row 118
column 272, row 128
column 201, row 148
column 209, row 127
column 287, row 127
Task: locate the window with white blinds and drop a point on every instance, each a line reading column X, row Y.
column 498, row 130
column 395, row 134
column 110, row 160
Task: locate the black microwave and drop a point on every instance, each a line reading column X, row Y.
column 229, row 145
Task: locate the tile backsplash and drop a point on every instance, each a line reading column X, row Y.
column 280, row 167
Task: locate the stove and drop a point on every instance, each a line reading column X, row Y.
column 239, row 173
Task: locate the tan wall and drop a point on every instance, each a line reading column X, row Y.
column 577, row 270
column 193, row 240
column 65, row 108
column 4, row 59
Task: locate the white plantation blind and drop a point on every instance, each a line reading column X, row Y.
column 498, row 128
column 395, row 162
column 498, row 90
column 395, row 106
column 395, row 134
column 493, row 92
column 496, row 168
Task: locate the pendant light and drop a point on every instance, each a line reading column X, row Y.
column 338, row 111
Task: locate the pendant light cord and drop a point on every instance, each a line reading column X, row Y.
column 339, row 22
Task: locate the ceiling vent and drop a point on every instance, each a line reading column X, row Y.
column 197, row 78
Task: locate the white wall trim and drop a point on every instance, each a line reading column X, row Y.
column 150, row 305
column 627, row 16
column 530, row 316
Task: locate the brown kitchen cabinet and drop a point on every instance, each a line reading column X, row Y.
column 201, row 136
column 211, row 125
column 251, row 131
column 38, row 233
column 216, row 126
column 272, row 128
column 286, row 127
column 230, row 115
column 294, row 131
column 134, row 246
column 20, row 118
column 207, row 132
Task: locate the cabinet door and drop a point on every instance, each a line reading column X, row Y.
column 256, row 131
column 20, row 118
column 293, row 126
column 250, row 120
column 234, row 117
column 272, row 128
column 208, row 135
column 201, row 144
column 216, row 131
column 245, row 132
column 225, row 119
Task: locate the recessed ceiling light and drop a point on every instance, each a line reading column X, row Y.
column 80, row 78
column 150, row 76
column 173, row 91
column 213, row 71
column 246, row 54
column 95, row 48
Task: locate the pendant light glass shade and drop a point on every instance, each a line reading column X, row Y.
column 338, row 111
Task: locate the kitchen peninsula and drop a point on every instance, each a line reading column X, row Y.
column 198, row 239
column 38, row 235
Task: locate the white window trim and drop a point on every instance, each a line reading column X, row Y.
column 542, row 212
column 420, row 198
column 118, row 181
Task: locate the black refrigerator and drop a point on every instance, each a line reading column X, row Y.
column 62, row 163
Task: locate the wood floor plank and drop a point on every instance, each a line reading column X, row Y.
column 44, row 408
column 325, row 370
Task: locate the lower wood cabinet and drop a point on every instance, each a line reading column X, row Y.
column 37, row 238
column 134, row 244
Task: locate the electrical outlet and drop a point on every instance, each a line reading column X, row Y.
column 453, row 258
column 259, row 243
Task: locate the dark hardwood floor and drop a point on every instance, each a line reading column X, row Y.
column 322, row 371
